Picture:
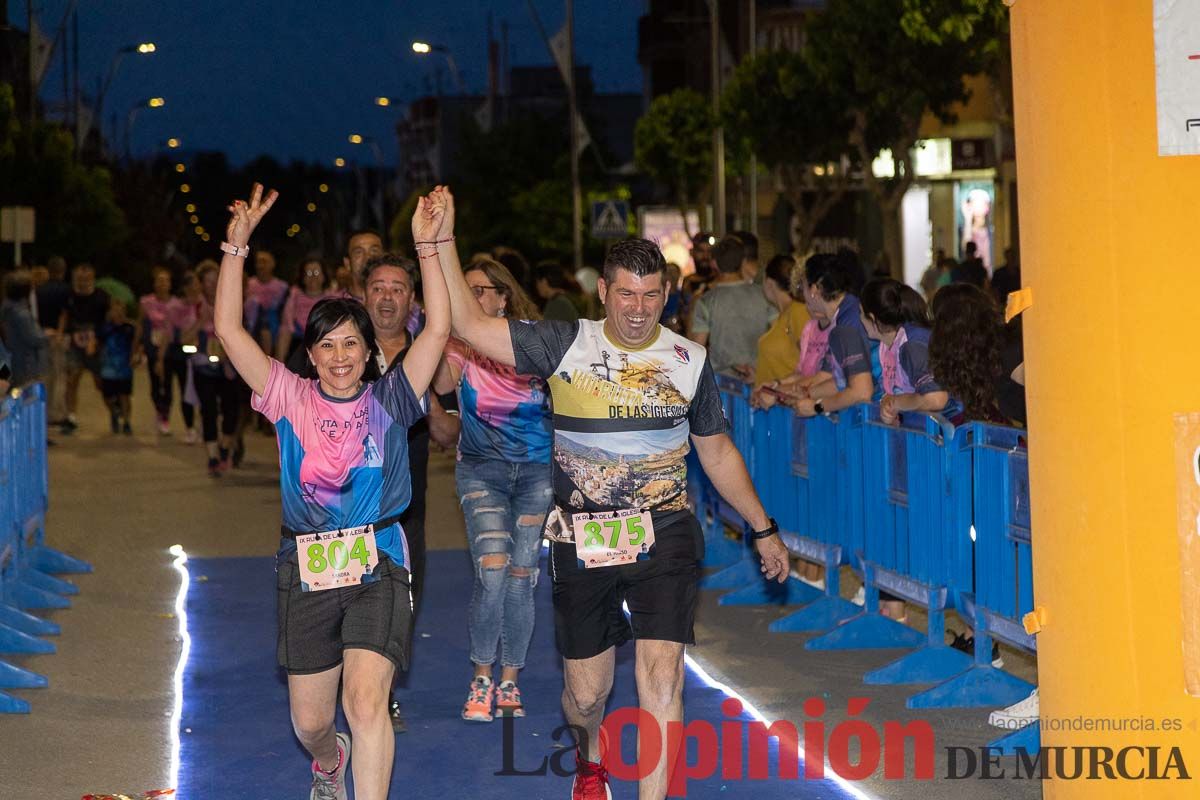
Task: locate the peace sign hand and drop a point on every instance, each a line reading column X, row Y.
column 246, row 216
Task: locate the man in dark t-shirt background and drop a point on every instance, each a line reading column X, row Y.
column 83, row 314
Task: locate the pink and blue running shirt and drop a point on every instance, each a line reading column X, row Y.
column 343, row 463
column 905, row 365
column 505, row 415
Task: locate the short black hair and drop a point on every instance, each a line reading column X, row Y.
column 362, row 232
column 391, row 260
column 827, row 273
column 17, row 285
column 750, row 242
column 729, row 254
column 639, row 256
column 703, row 237
column 779, row 269
column 331, row 312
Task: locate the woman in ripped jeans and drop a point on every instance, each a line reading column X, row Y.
column 503, row 478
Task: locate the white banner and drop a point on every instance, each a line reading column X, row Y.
column 1177, row 66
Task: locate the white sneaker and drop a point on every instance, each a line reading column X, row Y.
column 191, row 437
column 1018, row 715
column 860, row 597
column 332, row 787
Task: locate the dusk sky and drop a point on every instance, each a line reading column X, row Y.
column 294, row 79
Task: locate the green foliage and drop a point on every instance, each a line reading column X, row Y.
column 672, row 144
column 77, row 213
column 774, row 103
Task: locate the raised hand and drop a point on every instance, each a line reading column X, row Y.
column 447, row 202
column 427, row 218
column 244, row 217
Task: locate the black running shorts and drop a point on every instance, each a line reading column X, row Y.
column 314, row 628
column 661, row 592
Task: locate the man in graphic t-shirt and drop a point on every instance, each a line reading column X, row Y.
column 630, row 398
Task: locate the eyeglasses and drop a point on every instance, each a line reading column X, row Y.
column 312, row 273
column 479, row 290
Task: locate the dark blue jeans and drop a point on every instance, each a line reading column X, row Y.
column 505, row 507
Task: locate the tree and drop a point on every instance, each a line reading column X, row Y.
column 774, row 106
column 77, row 214
column 889, row 78
column 672, row 143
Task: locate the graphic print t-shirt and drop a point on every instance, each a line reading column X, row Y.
column 343, row 463
column 505, row 415
column 621, row 417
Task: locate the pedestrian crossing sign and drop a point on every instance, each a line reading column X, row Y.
column 610, row 219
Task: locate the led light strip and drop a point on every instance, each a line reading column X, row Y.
column 185, row 638
column 712, row 682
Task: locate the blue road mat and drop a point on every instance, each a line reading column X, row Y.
column 236, row 736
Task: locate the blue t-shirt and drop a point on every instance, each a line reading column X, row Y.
column 116, row 350
column 851, row 351
column 343, row 463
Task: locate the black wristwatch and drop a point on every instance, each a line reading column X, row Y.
column 763, row 534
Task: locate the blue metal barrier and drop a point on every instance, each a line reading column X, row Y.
column 25, row 560
column 1000, row 589
column 931, row 514
column 814, row 525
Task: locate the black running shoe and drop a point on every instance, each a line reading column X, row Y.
column 394, row 712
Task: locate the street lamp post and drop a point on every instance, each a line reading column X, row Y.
column 153, row 102
column 424, row 48
column 145, row 49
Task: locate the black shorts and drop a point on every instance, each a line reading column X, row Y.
column 115, row 387
column 661, row 592
column 78, row 360
column 314, row 628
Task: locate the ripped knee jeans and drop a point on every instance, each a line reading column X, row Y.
column 504, row 505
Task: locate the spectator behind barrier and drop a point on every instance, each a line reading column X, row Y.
column 555, row 289
column 896, row 315
column 970, row 358
column 778, row 348
column 732, row 314
column 28, row 347
column 812, row 345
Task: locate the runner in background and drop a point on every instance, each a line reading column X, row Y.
column 120, row 352
column 310, row 287
column 158, row 310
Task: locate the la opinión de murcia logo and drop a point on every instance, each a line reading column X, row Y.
column 1193, row 123
column 742, row 750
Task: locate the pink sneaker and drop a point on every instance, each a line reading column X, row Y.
column 478, row 707
column 508, row 700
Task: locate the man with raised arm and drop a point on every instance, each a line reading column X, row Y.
column 628, row 395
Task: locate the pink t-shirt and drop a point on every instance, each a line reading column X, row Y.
column 158, row 316
column 814, row 341
column 299, row 305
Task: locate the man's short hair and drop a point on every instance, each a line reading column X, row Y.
column 17, row 285
column 391, row 260
column 750, row 242
column 639, row 256
column 729, row 254
column 362, row 232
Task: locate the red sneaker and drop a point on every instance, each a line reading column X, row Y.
column 591, row 781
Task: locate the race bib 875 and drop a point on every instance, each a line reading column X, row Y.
column 608, row 538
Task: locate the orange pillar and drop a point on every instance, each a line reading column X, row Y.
column 1110, row 246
